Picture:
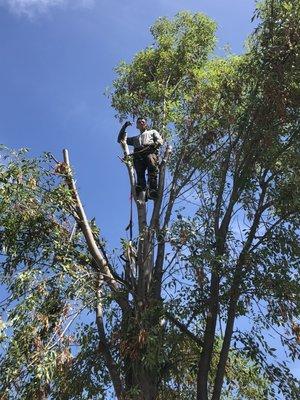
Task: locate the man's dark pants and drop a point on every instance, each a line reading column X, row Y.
column 143, row 163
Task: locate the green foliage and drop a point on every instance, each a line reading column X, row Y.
column 47, row 276
column 151, row 85
column 243, row 380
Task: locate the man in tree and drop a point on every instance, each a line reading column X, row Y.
column 145, row 157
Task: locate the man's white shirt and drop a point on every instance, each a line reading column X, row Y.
column 146, row 138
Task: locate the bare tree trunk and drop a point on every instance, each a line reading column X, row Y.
column 209, row 339
column 226, row 344
column 149, row 386
column 84, row 225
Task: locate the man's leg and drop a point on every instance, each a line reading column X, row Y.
column 152, row 166
column 140, row 169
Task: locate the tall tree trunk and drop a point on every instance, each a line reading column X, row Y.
column 226, row 346
column 209, row 339
column 138, row 377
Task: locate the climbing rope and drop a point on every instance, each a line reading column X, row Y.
column 130, row 225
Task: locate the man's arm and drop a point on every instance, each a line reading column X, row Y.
column 157, row 139
column 122, row 133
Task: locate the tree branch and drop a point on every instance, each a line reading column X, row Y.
column 104, row 347
column 84, row 225
column 183, row 328
column 235, row 293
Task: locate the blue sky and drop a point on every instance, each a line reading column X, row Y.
column 57, row 59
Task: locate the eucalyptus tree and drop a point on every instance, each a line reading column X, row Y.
column 234, row 123
column 219, row 244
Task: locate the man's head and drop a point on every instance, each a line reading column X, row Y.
column 141, row 124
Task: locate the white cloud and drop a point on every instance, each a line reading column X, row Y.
column 34, row 8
